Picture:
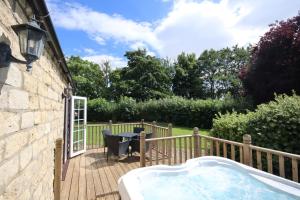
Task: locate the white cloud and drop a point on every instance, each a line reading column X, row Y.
column 190, row 26
column 115, row 62
column 89, row 51
column 99, row 40
column 100, row 26
column 193, row 26
column 141, row 45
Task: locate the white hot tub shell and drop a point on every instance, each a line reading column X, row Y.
column 129, row 184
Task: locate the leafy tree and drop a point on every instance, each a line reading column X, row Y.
column 118, row 87
column 106, row 69
column 187, row 82
column 88, row 78
column 208, row 68
column 275, row 62
column 219, row 70
column 144, row 78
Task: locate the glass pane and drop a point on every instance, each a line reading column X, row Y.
column 81, row 135
column 76, row 104
column 76, row 115
column 23, row 41
column 41, row 47
column 35, row 39
column 75, row 136
column 81, row 122
column 75, row 147
column 80, row 126
column 81, row 114
column 82, row 104
column 80, row 145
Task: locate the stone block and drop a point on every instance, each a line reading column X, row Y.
column 30, row 83
column 37, row 117
column 25, row 157
column 10, row 122
column 18, row 99
column 2, row 150
column 33, row 102
column 4, row 96
column 42, row 103
column 8, row 170
column 22, row 182
column 16, row 142
column 11, row 75
column 27, row 120
column 42, row 90
column 37, row 193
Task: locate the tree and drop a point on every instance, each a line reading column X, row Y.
column 219, row 70
column 187, row 82
column 117, row 87
column 106, row 69
column 275, row 62
column 144, row 78
column 88, row 78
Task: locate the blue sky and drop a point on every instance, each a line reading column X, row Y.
column 100, row 30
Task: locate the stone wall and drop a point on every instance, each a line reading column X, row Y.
column 31, row 117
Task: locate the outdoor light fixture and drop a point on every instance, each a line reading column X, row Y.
column 32, row 40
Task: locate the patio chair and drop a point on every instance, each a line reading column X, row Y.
column 115, row 146
column 105, row 132
column 135, row 144
column 138, row 130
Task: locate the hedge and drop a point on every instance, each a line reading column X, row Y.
column 177, row 110
column 275, row 125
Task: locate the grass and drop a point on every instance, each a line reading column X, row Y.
column 96, row 138
column 179, row 130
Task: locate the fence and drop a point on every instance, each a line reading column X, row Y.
column 94, row 131
column 173, row 150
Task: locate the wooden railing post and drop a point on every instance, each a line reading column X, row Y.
column 154, row 129
column 110, row 125
column 169, row 144
column 142, row 149
column 170, row 130
column 142, row 122
column 57, row 167
column 246, row 149
column 196, row 142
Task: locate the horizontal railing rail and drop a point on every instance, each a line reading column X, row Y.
column 94, row 131
column 281, row 160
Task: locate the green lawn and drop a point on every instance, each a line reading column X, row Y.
column 177, row 130
column 94, row 134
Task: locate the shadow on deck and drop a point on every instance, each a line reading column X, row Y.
column 90, row 176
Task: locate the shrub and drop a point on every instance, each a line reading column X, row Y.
column 275, row 125
column 125, row 110
column 100, row 110
column 177, row 110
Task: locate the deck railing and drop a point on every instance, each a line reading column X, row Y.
column 94, row 131
column 173, row 150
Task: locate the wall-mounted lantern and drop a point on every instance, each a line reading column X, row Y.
column 32, row 40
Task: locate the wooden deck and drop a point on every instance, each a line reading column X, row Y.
column 89, row 176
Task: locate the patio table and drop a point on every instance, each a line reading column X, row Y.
column 128, row 135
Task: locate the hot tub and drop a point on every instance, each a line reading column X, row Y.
column 205, row 178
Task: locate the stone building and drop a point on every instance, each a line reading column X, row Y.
column 32, row 107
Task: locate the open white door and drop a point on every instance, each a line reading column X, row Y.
column 78, row 126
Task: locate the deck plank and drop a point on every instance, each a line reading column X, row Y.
column 82, row 179
column 66, row 184
column 75, row 180
column 96, row 177
column 90, row 176
column 104, row 181
column 90, row 187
